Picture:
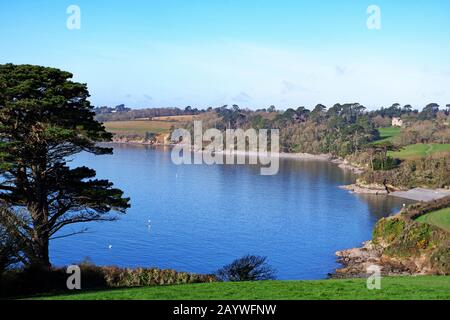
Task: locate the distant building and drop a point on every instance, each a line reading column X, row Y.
column 397, row 122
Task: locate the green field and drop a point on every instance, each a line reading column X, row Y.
column 388, row 134
column 398, row 288
column 415, row 151
column 156, row 125
column 439, row 218
column 138, row 127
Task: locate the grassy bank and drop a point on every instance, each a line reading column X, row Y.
column 439, row 218
column 139, row 127
column 416, row 151
column 423, row 288
column 156, row 125
column 388, row 134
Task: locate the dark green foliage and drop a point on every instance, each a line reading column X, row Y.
column 432, row 171
column 232, row 118
column 258, row 122
column 45, row 119
column 150, row 136
column 342, row 130
column 31, row 281
column 396, row 110
column 10, row 247
column 385, row 164
column 388, row 229
column 405, row 237
column 429, row 112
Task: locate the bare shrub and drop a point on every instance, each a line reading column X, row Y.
column 247, row 268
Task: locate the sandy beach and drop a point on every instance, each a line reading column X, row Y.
column 281, row 155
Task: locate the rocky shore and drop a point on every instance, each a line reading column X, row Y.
column 365, row 189
column 356, row 261
column 137, row 140
column 401, row 246
column 415, row 194
column 346, row 165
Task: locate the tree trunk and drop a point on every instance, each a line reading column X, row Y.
column 40, row 238
column 39, row 211
column 40, row 258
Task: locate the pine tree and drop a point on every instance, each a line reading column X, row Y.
column 45, row 118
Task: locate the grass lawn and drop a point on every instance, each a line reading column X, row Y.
column 398, row 288
column 415, row 151
column 439, row 218
column 388, row 134
column 139, row 127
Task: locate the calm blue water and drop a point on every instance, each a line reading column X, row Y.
column 203, row 217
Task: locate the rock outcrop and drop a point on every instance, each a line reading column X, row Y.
column 401, row 246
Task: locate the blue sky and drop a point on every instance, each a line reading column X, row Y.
column 254, row 53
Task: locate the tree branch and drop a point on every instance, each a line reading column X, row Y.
column 84, row 230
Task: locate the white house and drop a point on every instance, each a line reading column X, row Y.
column 397, row 122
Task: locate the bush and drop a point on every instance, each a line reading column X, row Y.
column 385, row 164
column 432, row 171
column 388, row 229
column 118, row 277
column 247, row 268
column 8, row 250
column 25, row 282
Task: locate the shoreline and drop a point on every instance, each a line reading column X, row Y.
column 282, row 155
column 341, row 163
column 357, row 261
column 354, row 262
column 415, row 194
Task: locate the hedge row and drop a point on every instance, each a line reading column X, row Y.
column 25, row 282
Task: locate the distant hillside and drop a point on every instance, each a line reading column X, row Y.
column 121, row 113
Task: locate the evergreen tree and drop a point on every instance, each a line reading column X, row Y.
column 45, row 118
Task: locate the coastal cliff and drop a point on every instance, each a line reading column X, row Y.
column 402, row 246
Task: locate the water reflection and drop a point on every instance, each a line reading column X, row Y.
column 382, row 205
